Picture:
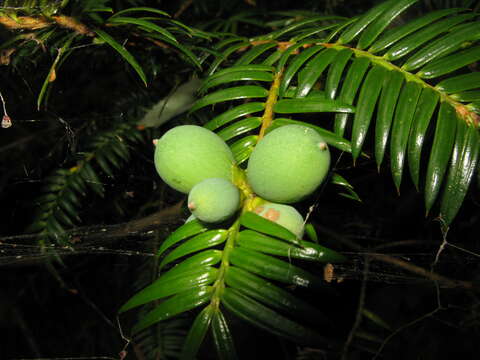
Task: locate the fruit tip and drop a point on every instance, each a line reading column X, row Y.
column 155, row 141
column 323, row 146
column 191, row 206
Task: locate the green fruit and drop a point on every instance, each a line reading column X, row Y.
column 284, row 215
column 214, row 200
column 288, row 164
column 188, row 154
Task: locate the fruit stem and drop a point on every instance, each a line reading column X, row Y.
column 267, row 117
column 219, row 284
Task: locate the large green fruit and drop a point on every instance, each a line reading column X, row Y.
column 284, row 215
column 188, row 154
column 214, row 200
column 288, row 164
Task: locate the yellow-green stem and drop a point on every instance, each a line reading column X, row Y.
column 267, row 117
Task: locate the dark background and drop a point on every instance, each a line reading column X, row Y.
column 52, row 309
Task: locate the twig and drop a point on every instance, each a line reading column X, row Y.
column 423, row 272
column 387, row 339
column 6, row 120
column 134, row 227
column 40, row 22
column 400, row 263
column 73, row 358
column 442, row 246
column 26, row 330
column 182, row 8
column 464, row 250
column 361, row 303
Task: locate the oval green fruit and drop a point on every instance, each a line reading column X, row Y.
column 214, row 200
column 288, row 164
column 284, row 215
column 188, row 154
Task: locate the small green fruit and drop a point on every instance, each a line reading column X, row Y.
column 214, row 200
column 288, row 164
column 188, row 154
column 284, row 215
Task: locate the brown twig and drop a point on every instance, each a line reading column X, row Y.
column 40, row 22
column 24, row 22
column 360, row 307
column 402, row 264
column 447, row 282
column 73, row 24
column 182, row 8
column 134, row 227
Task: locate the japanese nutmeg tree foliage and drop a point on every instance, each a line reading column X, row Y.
column 268, row 117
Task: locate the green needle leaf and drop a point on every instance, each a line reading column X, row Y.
column 144, row 24
column 240, row 127
column 226, row 53
column 175, row 305
column 199, row 242
column 61, row 55
column 234, row 113
column 467, row 96
column 203, row 259
column 386, row 108
column 172, row 285
column 255, row 52
column 460, row 83
column 222, row 337
column 245, row 75
column 271, row 295
column 123, row 52
column 423, row 36
column 400, row 32
column 441, row 151
column 256, row 222
column 242, row 148
column 463, row 164
column 137, row 9
column 368, row 97
column 306, row 105
column 197, row 333
column 450, row 63
column 375, row 28
column 269, row 320
column 349, row 89
column 306, row 250
column 234, row 93
column 357, row 27
column 313, row 70
column 444, row 46
column 335, row 72
column 188, row 229
column 426, row 106
column 401, row 128
column 272, row 268
column 295, row 65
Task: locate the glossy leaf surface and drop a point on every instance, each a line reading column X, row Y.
column 267, row 319
column 442, row 147
column 273, row 268
column 175, row 305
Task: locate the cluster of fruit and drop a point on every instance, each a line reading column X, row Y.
column 286, row 166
